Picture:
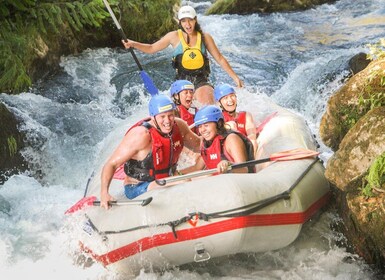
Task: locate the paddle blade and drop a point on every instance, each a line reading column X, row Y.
column 82, row 203
column 148, row 83
column 293, row 154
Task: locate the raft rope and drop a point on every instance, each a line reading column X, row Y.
column 248, row 209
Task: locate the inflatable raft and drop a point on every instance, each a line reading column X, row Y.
column 212, row 216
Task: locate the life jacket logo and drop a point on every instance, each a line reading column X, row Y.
column 241, row 125
column 192, row 55
column 213, row 156
column 177, row 144
column 165, row 108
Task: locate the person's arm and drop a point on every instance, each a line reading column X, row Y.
column 251, row 131
column 191, row 140
column 199, row 165
column 129, row 147
column 159, row 45
column 236, row 148
column 220, row 59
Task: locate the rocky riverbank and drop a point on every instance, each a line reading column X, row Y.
column 354, row 127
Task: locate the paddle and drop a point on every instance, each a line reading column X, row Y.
column 91, row 201
column 280, row 156
column 148, row 83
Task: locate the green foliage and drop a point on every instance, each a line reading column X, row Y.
column 30, row 28
column 141, row 18
column 375, row 179
column 372, row 94
column 377, row 50
column 24, row 22
column 221, row 7
column 12, row 146
column 374, row 100
column 348, row 117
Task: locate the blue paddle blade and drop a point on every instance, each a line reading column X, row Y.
column 148, row 83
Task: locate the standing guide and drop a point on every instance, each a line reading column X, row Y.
column 190, row 59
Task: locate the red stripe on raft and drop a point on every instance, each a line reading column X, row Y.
column 207, row 230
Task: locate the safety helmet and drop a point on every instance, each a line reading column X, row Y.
column 180, row 85
column 160, row 103
column 222, row 91
column 209, row 113
column 186, row 12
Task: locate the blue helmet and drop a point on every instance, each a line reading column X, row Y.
column 160, row 103
column 222, row 91
column 209, row 113
column 180, row 85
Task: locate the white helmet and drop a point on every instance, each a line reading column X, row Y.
column 186, row 12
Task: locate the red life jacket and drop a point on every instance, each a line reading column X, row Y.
column 240, row 121
column 161, row 160
column 214, row 153
column 187, row 116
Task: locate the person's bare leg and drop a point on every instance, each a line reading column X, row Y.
column 204, row 95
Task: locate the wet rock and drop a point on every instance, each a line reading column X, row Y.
column 357, row 151
column 351, row 102
column 11, row 142
column 363, row 225
column 243, row 7
column 358, row 63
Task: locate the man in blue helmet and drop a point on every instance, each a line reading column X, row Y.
column 149, row 150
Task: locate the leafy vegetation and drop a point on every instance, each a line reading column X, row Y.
column 375, row 179
column 377, row 50
column 12, row 146
column 26, row 24
column 31, row 28
column 371, row 96
column 147, row 21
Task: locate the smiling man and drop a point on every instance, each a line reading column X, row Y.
column 150, row 150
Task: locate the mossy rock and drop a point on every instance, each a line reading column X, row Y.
column 359, row 95
column 11, row 142
column 244, row 7
column 358, row 150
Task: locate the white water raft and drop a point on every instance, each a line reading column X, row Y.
column 212, row 216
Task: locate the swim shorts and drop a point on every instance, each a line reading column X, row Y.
column 134, row 190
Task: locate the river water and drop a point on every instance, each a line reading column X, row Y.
column 294, row 59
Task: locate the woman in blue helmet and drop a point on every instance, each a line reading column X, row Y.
column 182, row 93
column 241, row 121
column 149, row 150
column 191, row 48
column 221, row 147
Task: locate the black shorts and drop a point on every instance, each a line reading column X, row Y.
column 199, row 80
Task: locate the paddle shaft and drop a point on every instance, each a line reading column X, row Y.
column 119, row 27
column 163, row 182
column 143, row 202
column 281, row 156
